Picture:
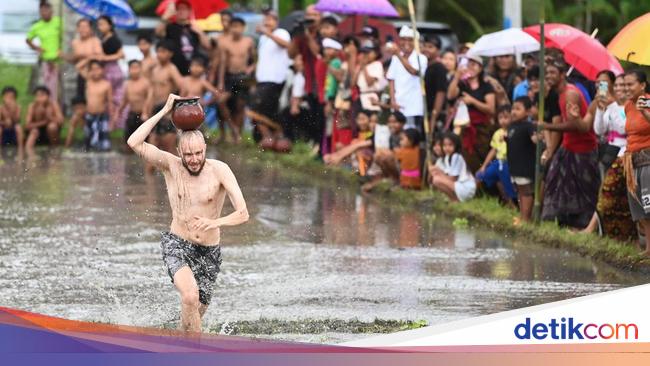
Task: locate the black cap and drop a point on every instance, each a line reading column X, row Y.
column 369, row 31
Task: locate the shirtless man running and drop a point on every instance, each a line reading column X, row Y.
column 165, row 79
column 235, row 69
column 196, row 188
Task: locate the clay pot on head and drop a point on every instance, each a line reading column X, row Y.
column 187, row 113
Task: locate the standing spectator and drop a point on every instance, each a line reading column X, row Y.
column 48, row 32
column 112, row 48
column 504, row 71
column 272, row 66
column 85, row 46
column 235, row 72
column 148, row 61
column 368, row 34
column 612, row 216
column 435, row 80
column 521, row 140
column 449, row 61
column 370, row 77
column 185, row 35
column 344, row 109
column 306, row 43
column 468, row 84
column 573, row 179
column 332, row 64
column 637, row 157
column 403, row 75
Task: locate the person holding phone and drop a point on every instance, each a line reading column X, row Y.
column 637, row 155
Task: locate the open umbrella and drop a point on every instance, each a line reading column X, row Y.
column 583, row 52
column 509, row 41
column 631, row 43
column 376, row 8
column 119, row 11
column 201, row 9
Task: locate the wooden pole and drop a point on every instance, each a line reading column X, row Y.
column 537, row 207
column 425, row 116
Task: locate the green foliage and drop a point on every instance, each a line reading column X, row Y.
column 17, row 76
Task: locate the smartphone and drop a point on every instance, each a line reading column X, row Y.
column 603, row 88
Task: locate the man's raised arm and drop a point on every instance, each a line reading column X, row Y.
column 229, row 182
column 148, row 152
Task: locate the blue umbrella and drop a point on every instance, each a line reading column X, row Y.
column 119, row 10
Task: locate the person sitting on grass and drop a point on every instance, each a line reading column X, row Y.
column 43, row 121
column 11, row 132
column 450, row 174
column 494, row 170
column 361, row 147
column 521, row 140
column 408, row 157
column 385, row 158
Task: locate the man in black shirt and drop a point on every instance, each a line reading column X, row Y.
column 185, row 35
column 435, row 80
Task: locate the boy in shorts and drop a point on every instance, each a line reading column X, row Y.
column 11, row 132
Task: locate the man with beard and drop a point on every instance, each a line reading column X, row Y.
column 196, row 188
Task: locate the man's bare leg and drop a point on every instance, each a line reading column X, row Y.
column 189, row 292
column 202, row 309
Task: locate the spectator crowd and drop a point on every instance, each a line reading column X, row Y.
column 471, row 130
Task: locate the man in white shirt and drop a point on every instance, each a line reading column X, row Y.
column 272, row 67
column 403, row 75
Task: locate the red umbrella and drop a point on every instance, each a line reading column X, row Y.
column 583, row 52
column 201, row 8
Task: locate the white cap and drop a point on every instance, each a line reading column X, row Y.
column 330, row 43
column 406, row 32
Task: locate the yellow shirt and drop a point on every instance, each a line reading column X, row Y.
column 499, row 144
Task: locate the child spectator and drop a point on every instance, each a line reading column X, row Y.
column 43, row 121
column 396, row 122
column 99, row 106
column 521, row 140
column 78, row 104
column 195, row 84
column 11, row 132
column 331, row 49
column 408, row 156
column 138, row 96
column 385, row 158
column 362, row 147
column 148, row 60
column 450, row 174
column 495, row 167
column 293, row 125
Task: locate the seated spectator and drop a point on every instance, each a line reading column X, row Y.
column 361, row 147
column 43, row 121
column 450, row 174
column 11, row 132
column 385, row 158
column 494, row 170
column 521, row 140
column 408, row 157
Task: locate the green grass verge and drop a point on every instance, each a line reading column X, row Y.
column 313, row 326
column 483, row 211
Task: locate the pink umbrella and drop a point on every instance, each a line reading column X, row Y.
column 583, row 52
column 376, row 8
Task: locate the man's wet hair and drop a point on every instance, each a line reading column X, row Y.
column 134, row 61
column 330, row 20
column 187, row 134
column 166, row 44
column 42, row 88
column 145, row 37
column 9, row 89
column 525, row 101
column 239, row 20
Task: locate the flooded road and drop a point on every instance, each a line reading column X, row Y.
column 80, row 239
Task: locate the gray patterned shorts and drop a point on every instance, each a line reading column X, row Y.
column 204, row 262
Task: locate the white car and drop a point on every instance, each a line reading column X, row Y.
column 16, row 17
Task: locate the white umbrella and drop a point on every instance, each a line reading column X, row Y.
column 511, row 41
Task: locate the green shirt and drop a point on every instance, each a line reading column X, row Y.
column 331, row 84
column 49, row 35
